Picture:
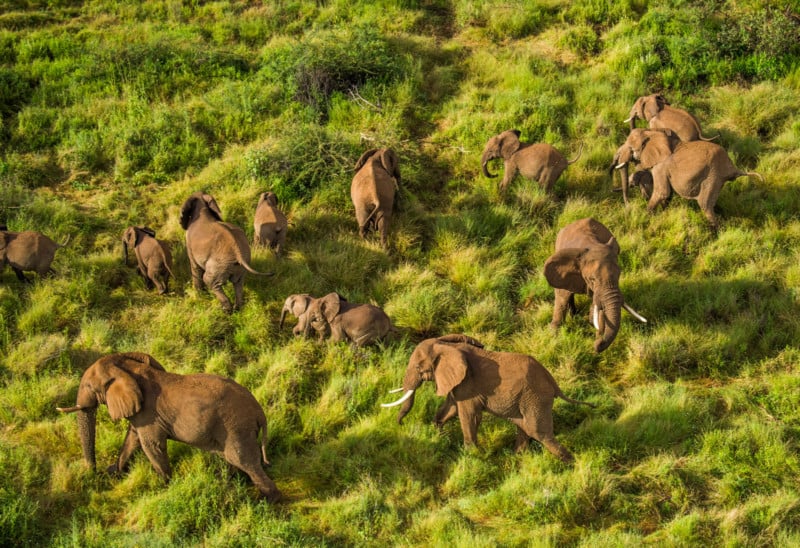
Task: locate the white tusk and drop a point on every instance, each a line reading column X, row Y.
column 619, row 166
column 595, row 319
column 634, row 313
column 395, row 391
column 628, row 120
column 69, row 409
column 401, row 400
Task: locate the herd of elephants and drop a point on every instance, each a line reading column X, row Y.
column 217, row 414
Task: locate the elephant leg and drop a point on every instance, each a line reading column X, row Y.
column 20, row 276
column 522, row 440
column 469, row 414
column 661, row 192
column 129, row 446
column 707, row 199
column 246, row 457
column 446, row 411
column 155, row 447
column 238, row 290
column 564, row 300
column 215, row 285
column 538, row 424
column 198, row 274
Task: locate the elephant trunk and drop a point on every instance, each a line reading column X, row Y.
column 283, row 317
column 485, row 165
column 609, row 307
column 124, row 252
column 623, row 178
column 86, row 430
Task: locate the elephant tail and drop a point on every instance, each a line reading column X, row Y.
column 580, row 150
column 246, row 265
column 751, row 174
column 703, row 138
column 564, row 397
column 371, row 215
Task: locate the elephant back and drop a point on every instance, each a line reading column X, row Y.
column 584, row 233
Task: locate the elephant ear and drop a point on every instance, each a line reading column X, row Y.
column 613, row 245
column 330, row 305
column 187, row 210
column 623, row 155
column 364, row 157
column 211, row 203
column 129, row 238
column 562, row 270
column 451, row 368
column 510, row 143
column 149, row 231
column 389, row 162
column 123, row 396
column 652, row 105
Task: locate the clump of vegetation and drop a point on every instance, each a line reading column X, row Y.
column 113, row 113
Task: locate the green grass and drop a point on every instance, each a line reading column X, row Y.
column 112, row 113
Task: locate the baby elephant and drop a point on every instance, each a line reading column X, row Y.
column 296, row 305
column 508, row 385
column 361, row 324
column 269, row 224
column 207, row 411
column 153, row 258
column 28, row 251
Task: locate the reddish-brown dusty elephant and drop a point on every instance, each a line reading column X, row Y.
column 660, row 115
column 153, row 257
column 28, row 251
column 373, row 190
column 269, row 223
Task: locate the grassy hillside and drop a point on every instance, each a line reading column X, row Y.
column 113, row 113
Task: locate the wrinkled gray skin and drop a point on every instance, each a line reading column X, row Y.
column 28, row 251
column 269, row 223
column 373, row 190
column 207, row 411
column 218, row 252
column 153, row 257
column 585, row 261
column 660, row 115
column 645, row 148
column 361, row 324
column 509, row 385
column 297, row 306
column 539, row 162
column 697, row 171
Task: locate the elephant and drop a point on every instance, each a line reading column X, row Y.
column 585, row 261
column 269, row 223
column 660, row 115
column 153, row 257
column 297, row 306
column 28, row 251
column 695, row 170
column 206, row 411
column 646, row 147
column 473, row 379
column 218, row 251
column 538, row 161
column 361, row 324
column 373, row 191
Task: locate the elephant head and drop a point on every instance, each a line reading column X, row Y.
column 194, row 206
column 594, row 271
column 106, row 382
column 321, row 312
column 269, row 197
column 646, row 147
column 132, row 236
column 500, row 146
column 296, row 305
column 388, row 159
column 433, row 360
column 646, row 107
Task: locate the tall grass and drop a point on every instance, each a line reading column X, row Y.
column 113, row 113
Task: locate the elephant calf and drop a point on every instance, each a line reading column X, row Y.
column 297, row 306
column 361, row 324
column 373, row 190
column 207, row 411
column 537, row 161
column 28, row 251
column 153, row 257
column 269, row 223
column 508, row 385
column 585, row 261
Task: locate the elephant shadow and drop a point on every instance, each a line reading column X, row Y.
column 711, row 328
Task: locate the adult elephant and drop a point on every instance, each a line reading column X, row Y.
column 218, row 251
column 361, row 324
column 28, row 251
column 153, row 257
column 269, row 223
column 373, row 190
column 509, row 385
column 660, row 115
column 540, row 162
column 585, row 261
column 645, row 148
column 207, row 411
column 696, row 171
